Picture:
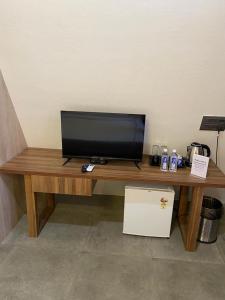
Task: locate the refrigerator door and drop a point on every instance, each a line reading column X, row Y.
column 148, row 211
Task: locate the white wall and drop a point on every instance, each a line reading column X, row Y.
column 159, row 57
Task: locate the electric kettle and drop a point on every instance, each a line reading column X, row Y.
column 196, row 148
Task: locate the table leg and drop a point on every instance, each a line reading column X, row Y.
column 194, row 219
column 50, row 206
column 35, row 221
column 50, row 199
column 189, row 223
column 32, row 210
column 183, row 201
column 182, row 212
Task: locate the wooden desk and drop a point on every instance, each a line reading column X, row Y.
column 43, row 172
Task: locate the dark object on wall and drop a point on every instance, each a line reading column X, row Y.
column 211, row 212
column 213, row 123
column 102, row 136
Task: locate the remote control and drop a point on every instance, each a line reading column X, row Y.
column 87, row 168
column 90, row 167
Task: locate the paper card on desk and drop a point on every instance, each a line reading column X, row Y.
column 199, row 165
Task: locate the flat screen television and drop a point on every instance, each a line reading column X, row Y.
column 102, row 136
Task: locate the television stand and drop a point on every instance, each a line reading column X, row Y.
column 98, row 161
column 137, row 164
column 66, row 161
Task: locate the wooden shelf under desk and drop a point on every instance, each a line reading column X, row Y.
column 62, row 185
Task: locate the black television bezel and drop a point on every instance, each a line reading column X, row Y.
column 106, row 158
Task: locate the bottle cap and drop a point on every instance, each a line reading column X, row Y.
column 174, row 151
column 165, row 150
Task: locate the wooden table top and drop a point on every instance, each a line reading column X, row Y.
column 48, row 162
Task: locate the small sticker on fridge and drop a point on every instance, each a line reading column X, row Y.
column 163, row 203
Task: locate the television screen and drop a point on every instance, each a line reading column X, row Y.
column 102, row 135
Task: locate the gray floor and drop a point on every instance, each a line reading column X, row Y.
column 82, row 254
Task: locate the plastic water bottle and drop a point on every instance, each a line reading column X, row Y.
column 173, row 161
column 164, row 160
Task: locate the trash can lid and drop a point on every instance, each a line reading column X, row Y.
column 212, row 203
column 212, row 208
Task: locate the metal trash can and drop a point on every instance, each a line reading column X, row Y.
column 211, row 212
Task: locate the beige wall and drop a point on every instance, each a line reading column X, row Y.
column 162, row 58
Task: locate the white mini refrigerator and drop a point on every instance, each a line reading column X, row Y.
column 148, row 210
